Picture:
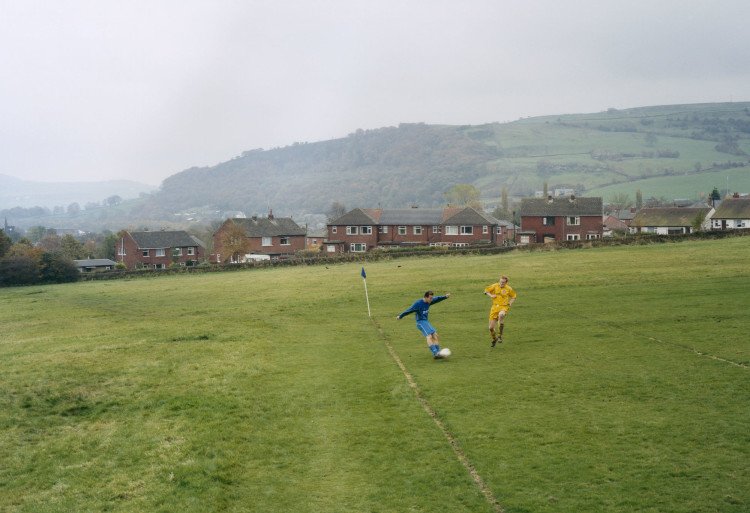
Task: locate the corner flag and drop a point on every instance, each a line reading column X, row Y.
column 367, row 297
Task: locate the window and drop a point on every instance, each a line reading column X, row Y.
column 524, row 239
column 573, row 236
column 573, row 221
column 436, row 229
column 284, row 241
column 177, row 252
column 467, row 230
column 352, row 230
column 417, row 230
column 160, row 252
column 460, row 244
column 159, row 266
column 144, row 252
column 366, row 230
column 485, row 229
column 333, row 229
column 451, row 230
column 592, row 236
column 382, row 229
column 357, row 247
column 739, row 223
column 330, row 248
column 266, row 241
column 548, row 221
column 191, row 250
column 402, row 230
column 499, row 230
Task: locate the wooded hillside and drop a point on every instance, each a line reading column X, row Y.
column 417, row 163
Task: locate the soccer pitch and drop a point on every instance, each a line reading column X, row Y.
column 623, row 385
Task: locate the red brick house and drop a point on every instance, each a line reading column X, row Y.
column 362, row 230
column 560, row 219
column 269, row 237
column 158, row 249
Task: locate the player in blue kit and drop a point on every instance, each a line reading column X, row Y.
column 420, row 309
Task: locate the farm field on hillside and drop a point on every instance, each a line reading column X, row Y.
column 622, row 386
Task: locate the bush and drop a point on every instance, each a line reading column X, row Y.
column 57, row 268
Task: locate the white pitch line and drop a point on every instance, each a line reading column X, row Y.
column 452, row 441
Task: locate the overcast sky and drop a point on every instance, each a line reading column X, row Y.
column 140, row 90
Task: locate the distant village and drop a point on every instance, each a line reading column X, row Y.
column 560, row 216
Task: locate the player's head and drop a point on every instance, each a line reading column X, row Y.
column 428, row 296
column 503, row 279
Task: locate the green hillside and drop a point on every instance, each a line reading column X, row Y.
column 687, row 147
column 622, row 385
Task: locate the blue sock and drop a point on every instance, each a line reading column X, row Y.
column 434, row 349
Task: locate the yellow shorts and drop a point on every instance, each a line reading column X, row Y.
column 496, row 309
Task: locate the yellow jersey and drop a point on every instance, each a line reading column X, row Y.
column 503, row 294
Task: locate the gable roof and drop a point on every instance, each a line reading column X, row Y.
column 561, row 206
column 94, row 262
column 414, row 217
column 471, row 216
column 164, row 239
column 733, row 208
column 269, row 227
column 358, row 216
column 668, row 216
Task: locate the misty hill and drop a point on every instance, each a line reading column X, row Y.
column 15, row 192
column 417, row 163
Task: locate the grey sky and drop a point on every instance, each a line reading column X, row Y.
column 140, row 90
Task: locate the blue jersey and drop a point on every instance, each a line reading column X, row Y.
column 421, row 308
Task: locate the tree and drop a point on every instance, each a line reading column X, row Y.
column 464, row 195
column 71, row 248
column 113, row 201
column 545, row 192
column 74, row 208
column 57, row 268
column 504, row 198
column 638, row 199
column 5, row 243
column 234, row 242
column 335, row 211
column 697, row 223
column 620, row 201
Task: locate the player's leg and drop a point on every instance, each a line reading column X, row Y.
column 501, row 322
column 493, row 325
column 429, row 333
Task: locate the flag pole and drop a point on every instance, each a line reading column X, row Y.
column 367, row 297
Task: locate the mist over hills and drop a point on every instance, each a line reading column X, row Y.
column 15, row 192
column 675, row 151
column 417, row 163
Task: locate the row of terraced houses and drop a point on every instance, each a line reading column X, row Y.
column 548, row 219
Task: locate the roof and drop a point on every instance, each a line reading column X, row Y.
column 567, row 206
column 668, row 216
column 733, row 208
column 414, row 217
column 164, row 239
column 357, row 217
column 612, row 223
column 94, row 262
column 269, row 227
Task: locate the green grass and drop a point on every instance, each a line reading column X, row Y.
column 622, row 386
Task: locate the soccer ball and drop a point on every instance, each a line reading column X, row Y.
column 445, row 352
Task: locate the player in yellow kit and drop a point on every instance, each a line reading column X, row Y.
column 502, row 296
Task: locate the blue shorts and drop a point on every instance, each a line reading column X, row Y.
column 425, row 328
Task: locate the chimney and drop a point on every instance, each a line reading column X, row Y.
column 549, row 198
column 270, row 213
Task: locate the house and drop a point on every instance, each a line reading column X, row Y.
column 671, row 220
column 613, row 225
column 362, row 230
column 94, row 265
column 314, row 239
column 731, row 214
column 257, row 238
column 158, row 249
column 555, row 219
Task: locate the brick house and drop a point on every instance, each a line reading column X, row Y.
column 670, row 220
column 159, row 249
column 267, row 237
column 732, row 214
column 560, row 219
column 362, row 230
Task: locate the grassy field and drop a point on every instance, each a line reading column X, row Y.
column 623, row 385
